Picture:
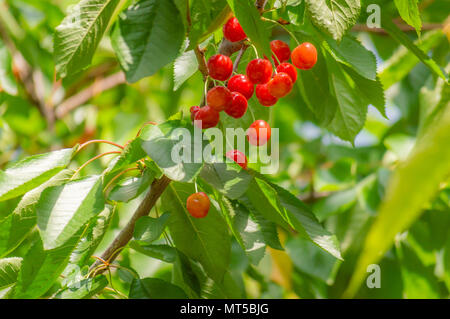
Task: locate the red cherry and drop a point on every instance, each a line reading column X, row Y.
column 198, row 205
column 259, row 71
column 280, row 85
column 194, row 110
column 259, row 133
column 281, row 51
column 208, row 116
column 220, row 67
column 264, row 97
column 304, row 56
column 289, row 69
column 238, row 157
column 219, row 98
column 240, row 83
column 232, row 30
column 238, row 106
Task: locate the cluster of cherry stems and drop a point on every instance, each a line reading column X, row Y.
column 233, row 98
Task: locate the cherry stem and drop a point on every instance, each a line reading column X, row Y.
column 98, row 141
column 144, row 125
column 93, row 159
column 284, row 27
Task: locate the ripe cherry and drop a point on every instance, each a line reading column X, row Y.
column 232, row 30
column 280, row 85
column 240, row 83
column 281, row 51
column 194, row 110
column 259, row 133
column 208, row 116
column 289, row 69
column 238, row 157
column 238, row 106
column 219, row 98
column 304, row 56
column 198, row 205
column 220, row 67
column 259, row 71
column 264, row 97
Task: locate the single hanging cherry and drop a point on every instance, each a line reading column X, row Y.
column 198, row 205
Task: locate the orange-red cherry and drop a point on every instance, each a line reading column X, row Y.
column 220, row 67
column 219, row 98
column 232, row 30
column 259, row 71
column 238, row 157
column 289, row 69
column 281, row 50
column 241, row 83
column 198, row 205
column 259, row 133
column 263, row 95
column 304, row 56
column 238, row 106
column 206, row 117
column 280, row 85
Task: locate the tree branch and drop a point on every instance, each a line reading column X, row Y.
column 126, row 234
column 85, row 95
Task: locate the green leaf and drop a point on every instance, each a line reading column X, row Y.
column 79, row 34
column 40, row 268
column 154, row 288
column 334, row 16
column 404, row 200
column 250, row 20
column 409, row 11
column 9, row 270
column 184, row 67
column 352, row 53
column 148, row 35
column 16, row 227
column 149, row 229
column 246, row 231
column 206, row 17
column 351, row 108
column 63, row 210
column 228, row 178
column 31, row 172
column 83, row 289
column 205, row 240
column 131, row 187
column 403, row 39
column 131, row 154
column 160, row 141
column 92, row 237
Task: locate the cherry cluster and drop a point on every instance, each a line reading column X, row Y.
column 260, row 78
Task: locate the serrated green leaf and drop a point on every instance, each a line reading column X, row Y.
column 31, row 172
column 148, row 36
column 154, row 288
column 79, row 34
column 409, row 11
column 149, row 229
column 9, row 270
column 351, row 108
column 16, row 227
column 205, row 240
column 160, row 141
column 131, row 187
column 334, row 16
column 83, row 289
column 63, row 210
